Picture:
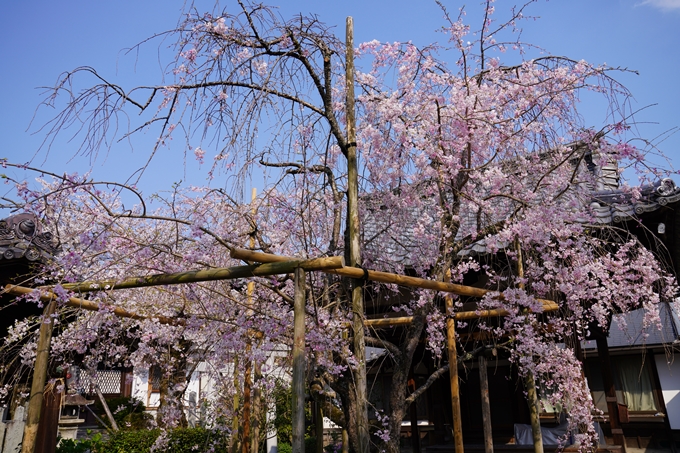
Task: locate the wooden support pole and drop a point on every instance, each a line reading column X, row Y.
column 318, row 425
column 257, row 409
column 486, row 405
column 76, row 302
column 453, row 374
column 345, row 441
column 382, row 277
column 360, row 382
column 247, row 385
column 226, row 273
column 299, row 363
column 39, row 378
column 248, row 365
column 460, row 316
column 236, row 405
column 107, row 410
column 529, row 381
column 534, row 415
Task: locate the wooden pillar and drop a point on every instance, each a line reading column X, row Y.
column 299, row 363
column 248, row 365
column 532, row 399
column 49, row 419
column 529, row 381
column 354, row 249
column 610, row 390
column 453, row 373
column 39, row 378
column 486, row 405
column 234, row 447
column 318, row 425
column 257, row 410
column 345, row 441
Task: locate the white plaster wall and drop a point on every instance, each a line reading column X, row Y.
column 140, row 385
column 669, row 378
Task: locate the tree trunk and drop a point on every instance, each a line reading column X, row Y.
column 402, row 366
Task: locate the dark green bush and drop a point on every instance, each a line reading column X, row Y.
column 310, row 444
column 129, row 413
column 182, row 440
column 91, row 444
column 130, row 441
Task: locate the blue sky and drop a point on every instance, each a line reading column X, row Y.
column 44, row 38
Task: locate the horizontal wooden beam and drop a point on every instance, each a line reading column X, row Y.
column 47, row 296
column 226, row 273
column 386, row 277
column 460, row 316
column 377, row 276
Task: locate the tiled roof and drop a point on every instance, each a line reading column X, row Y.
column 627, row 329
column 21, row 237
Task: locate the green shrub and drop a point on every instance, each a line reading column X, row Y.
column 91, row 444
column 128, row 413
column 283, row 422
column 285, row 448
column 131, row 441
column 310, row 446
column 181, row 440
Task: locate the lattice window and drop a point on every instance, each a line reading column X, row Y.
column 155, row 378
column 109, row 381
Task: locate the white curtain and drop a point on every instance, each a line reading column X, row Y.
column 636, row 383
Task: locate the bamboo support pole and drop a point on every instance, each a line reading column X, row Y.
column 460, row 316
column 486, row 405
column 247, row 369
column 529, row 380
column 39, row 378
column 534, row 414
column 299, row 363
column 225, row 273
column 77, row 302
column 121, row 313
column 383, row 277
column 453, row 375
column 107, row 410
column 354, row 247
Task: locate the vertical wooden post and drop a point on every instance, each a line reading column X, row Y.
column 299, row 363
column 529, row 382
column 46, row 441
column 354, row 249
column 610, row 390
column 486, row 405
column 345, row 441
column 257, row 410
column 318, row 426
column 237, row 403
column 532, row 399
column 39, row 378
column 453, row 371
column 247, row 379
column 247, row 383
